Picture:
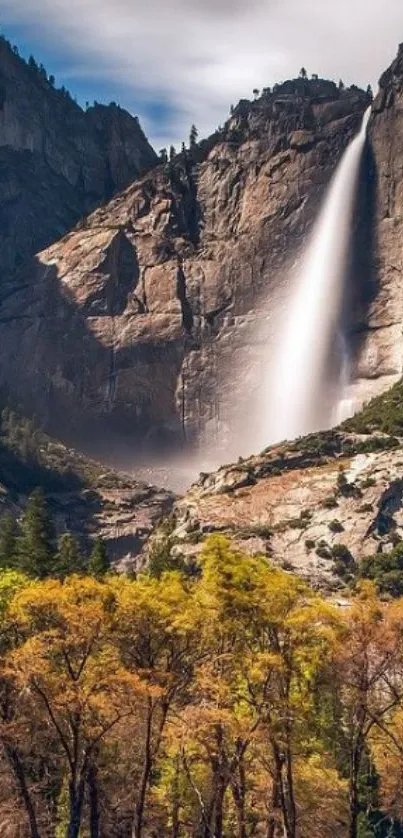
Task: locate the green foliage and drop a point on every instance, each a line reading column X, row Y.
column 68, row 558
column 323, row 550
column 365, row 507
column 386, row 570
column 330, row 502
column 383, row 413
column 11, row 581
column 193, row 136
column 99, row 563
column 335, row 526
column 35, row 544
column 344, row 563
column 8, row 535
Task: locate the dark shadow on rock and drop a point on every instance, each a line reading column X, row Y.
column 362, row 280
column 389, row 503
column 56, row 370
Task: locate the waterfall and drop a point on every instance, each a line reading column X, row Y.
column 302, row 394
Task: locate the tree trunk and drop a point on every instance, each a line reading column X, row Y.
column 76, row 808
column 176, row 803
column 289, row 796
column 19, row 774
column 94, row 801
column 140, row 805
column 239, row 794
column 273, row 819
column 354, row 799
column 218, row 816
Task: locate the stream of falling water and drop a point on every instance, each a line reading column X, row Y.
column 302, row 394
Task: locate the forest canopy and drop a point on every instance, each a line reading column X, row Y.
column 233, row 704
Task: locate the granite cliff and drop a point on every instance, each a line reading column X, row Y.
column 137, row 320
column 57, row 162
column 377, row 326
column 147, row 321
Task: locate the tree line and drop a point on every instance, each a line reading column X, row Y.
column 229, row 702
column 30, row 545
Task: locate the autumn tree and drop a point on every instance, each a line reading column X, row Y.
column 69, row 665
column 369, row 667
column 14, row 710
column 158, row 640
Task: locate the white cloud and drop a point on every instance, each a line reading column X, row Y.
column 202, row 55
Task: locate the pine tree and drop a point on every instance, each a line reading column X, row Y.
column 35, row 544
column 8, row 535
column 172, row 152
column 193, row 136
column 68, row 558
column 99, row 563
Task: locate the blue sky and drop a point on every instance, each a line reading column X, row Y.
column 175, row 62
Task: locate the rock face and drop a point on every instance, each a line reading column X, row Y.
column 301, row 505
column 378, row 328
column 147, row 318
column 84, row 497
column 57, row 162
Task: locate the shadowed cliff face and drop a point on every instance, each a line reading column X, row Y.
column 57, row 162
column 148, row 318
column 378, row 326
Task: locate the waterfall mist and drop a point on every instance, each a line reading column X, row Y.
column 304, row 390
column 304, row 352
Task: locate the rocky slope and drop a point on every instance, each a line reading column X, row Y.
column 57, row 162
column 314, row 506
column 142, row 318
column 83, row 496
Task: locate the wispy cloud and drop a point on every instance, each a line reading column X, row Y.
column 198, row 56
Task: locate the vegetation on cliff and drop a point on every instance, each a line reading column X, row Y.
column 383, row 413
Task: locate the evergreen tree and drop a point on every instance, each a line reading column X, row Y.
column 163, row 155
column 172, row 153
column 193, row 136
column 35, row 544
column 99, row 563
column 68, row 558
column 8, row 535
column 255, row 93
column 303, row 73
